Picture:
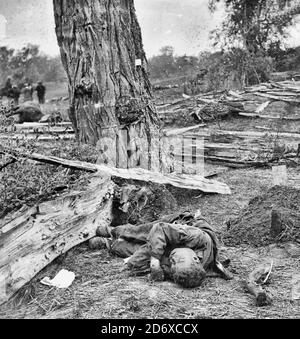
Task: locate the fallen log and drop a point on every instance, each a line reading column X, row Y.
column 251, row 137
column 247, row 148
column 192, row 182
column 270, row 117
column 256, row 135
column 264, row 128
column 244, row 134
column 239, row 164
column 175, row 103
column 180, row 131
column 39, row 131
column 277, row 98
column 31, row 239
column 237, row 96
column 39, row 137
column 37, row 125
column 236, row 149
column 281, row 93
column 162, row 88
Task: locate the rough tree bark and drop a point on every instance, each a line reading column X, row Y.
column 102, row 52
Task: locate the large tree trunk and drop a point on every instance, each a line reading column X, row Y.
column 102, row 53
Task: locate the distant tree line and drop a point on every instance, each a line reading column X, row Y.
column 166, row 64
column 255, row 25
column 251, row 43
column 231, row 68
column 256, row 31
column 28, row 64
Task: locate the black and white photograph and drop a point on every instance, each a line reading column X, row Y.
column 149, row 162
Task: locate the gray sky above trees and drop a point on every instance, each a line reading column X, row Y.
column 184, row 24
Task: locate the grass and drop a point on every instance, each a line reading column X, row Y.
column 26, row 183
column 103, row 290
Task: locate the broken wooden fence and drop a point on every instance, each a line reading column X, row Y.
column 179, row 154
column 181, row 151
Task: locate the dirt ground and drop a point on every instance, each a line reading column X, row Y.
column 103, row 290
column 253, row 224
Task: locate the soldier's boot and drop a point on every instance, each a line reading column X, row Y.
column 156, row 272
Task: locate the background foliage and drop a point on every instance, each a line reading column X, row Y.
column 28, row 64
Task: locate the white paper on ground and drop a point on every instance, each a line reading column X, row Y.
column 63, row 279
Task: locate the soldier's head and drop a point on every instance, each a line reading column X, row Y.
column 186, row 268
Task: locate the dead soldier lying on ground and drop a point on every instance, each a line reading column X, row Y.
column 181, row 248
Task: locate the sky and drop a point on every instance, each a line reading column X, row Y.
column 183, row 24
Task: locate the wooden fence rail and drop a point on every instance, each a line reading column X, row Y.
column 179, row 151
column 179, row 154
